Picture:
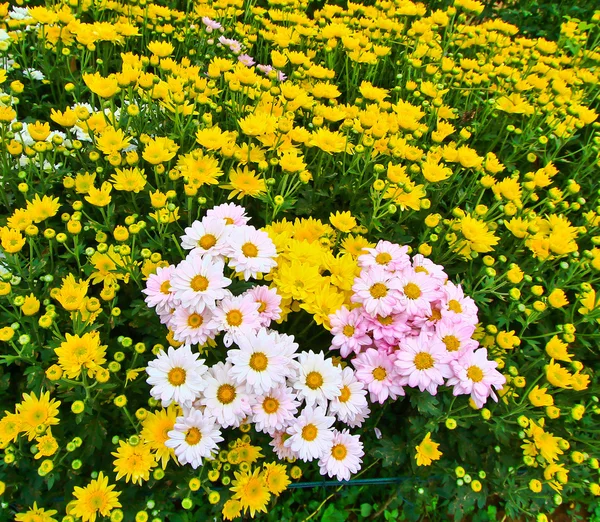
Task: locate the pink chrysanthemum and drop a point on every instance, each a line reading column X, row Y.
column 390, row 256
column 311, row 434
column 454, row 337
column 391, row 329
column 474, row 374
column 349, row 331
column 378, row 291
column 206, row 237
column 251, row 252
column 191, row 327
column 236, row 316
column 417, row 292
column 273, row 411
column 456, row 306
column 231, row 213
column 422, row 364
column 424, row 265
column 282, row 451
column 269, row 303
column 158, row 289
column 344, row 457
column 376, row 370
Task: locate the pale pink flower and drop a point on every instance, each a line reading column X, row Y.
column 344, row 457
column 454, row 338
column 236, row 316
column 387, row 255
column 269, row 303
column 474, row 374
column 417, row 292
column 424, row 265
column 456, row 306
column 246, row 60
column 211, row 25
column 311, row 435
column 377, row 372
column 348, row 328
column 207, row 237
column 273, row 411
column 231, row 213
column 191, row 327
column 378, row 291
column 158, row 289
column 318, row 379
column 282, row 451
column 391, row 329
column 251, row 251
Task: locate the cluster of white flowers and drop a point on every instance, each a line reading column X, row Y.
column 295, row 397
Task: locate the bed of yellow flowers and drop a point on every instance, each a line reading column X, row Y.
column 389, row 212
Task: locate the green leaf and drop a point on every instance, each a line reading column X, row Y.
column 366, row 510
column 332, row 514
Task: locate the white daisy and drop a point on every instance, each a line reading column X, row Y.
column 231, row 213
column 352, row 401
column 176, row 376
column 344, row 456
column 191, row 327
column 251, row 252
column 225, row 400
column 311, row 436
column 236, row 316
column 194, row 437
column 274, row 410
column 258, row 361
column 318, row 380
column 207, row 237
column 198, row 281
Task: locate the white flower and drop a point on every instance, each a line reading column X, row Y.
column 236, row 316
column 318, row 380
column 176, row 376
column 208, row 237
column 311, row 435
column 193, row 438
column 344, row 456
column 274, row 410
column 351, row 404
column 191, row 327
column 251, row 252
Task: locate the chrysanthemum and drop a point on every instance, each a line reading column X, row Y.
column 278, row 444
column 274, row 410
column 269, row 303
column 377, row 290
column 251, row 252
column 155, row 432
column 318, row 380
column 236, row 316
column 36, row 514
column 424, row 265
column 231, row 213
column 418, row 290
column 474, row 374
column 388, row 255
column 224, row 399
column 311, row 435
column 97, row 498
column 352, row 400
column 81, row 353
column 134, row 462
column 422, row 364
column 348, row 328
column 456, row 306
column 176, row 376
column 390, row 329
column 344, row 456
column 194, row 437
column 198, row 282
column 191, row 327
column 454, row 337
column 276, row 477
column 258, row 361
column 251, row 490
column 37, row 413
column 377, row 372
column 427, row 451
column 206, row 237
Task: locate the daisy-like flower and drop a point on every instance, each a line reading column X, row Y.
column 421, row 264
column 236, row 316
column 269, row 303
column 318, row 380
column 422, row 364
column 344, row 456
column 278, row 444
column 387, row 255
column 348, row 328
column 194, row 437
column 311, row 435
column 456, row 306
column 378, row 291
column 351, row 403
column 274, row 410
column 251, row 252
column 198, row 282
column 176, row 376
column 391, row 328
column 418, row 290
column 158, row 289
column 258, row 362
column 376, row 370
column 207, row 237
column 231, row 213
column 224, row 399
column 454, row 337
column 97, row 498
column 474, row 374
column 191, row 327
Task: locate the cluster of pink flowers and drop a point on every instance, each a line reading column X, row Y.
column 412, row 327
column 296, row 397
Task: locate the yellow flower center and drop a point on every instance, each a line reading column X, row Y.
column 199, row 283
column 310, row 432
column 176, row 377
column 412, row 291
column 226, row 394
column 423, row 361
column 379, row 373
column 475, row 373
column 421, row 269
column 270, row 405
column 378, row 290
column 195, row 320
column 234, row 317
column 345, row 395
column 314, row 380
column 348, row 330
column 385, row 321
column 193, row 436
column 454, row 305
column 383, row 258
column 339, row 452
column 436, row 315
column 258, row 362
column 207, row 241
column 262, row 307
column 229, row 221
column 452, row 343
column 249, row 250
column 165, row 287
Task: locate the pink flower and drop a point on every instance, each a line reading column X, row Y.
column 158, row 290
column 454, row 338
column 387, row 255
column 211, row 25
column 251, row 251
column 274, row 410
column 246, row 60
column 269, row 303
column 418, row 290
column 423, row 265
column 206, row 237
column 348, row 328
column 474, row 374
column 391, row 329
column 376, row 370
column 456, row 306
column 230, row 212
column 422, row 364
column 351, row 405
column 344, row 457
column 191, row 327
column 236, row 316
column 378, row 291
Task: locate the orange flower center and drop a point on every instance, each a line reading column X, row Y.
column 193, row 436
column 345, row 395
column 249, row 250
column 234, row 317
column 165, row 287
column 310, row 432
column 258, row 362
column 454, row 305
column 199, row 283
column 379, row 373
column 348, row 330
column 207, row 241
column 226, row 394
column 176, row 377
column 195, row 320
column 339, row 452
column 475, row 373
column 412, row 291
column 423, row 361
column 378, row 290
column 451, row 342
column 383, row 258
column 270, row 405
column 314, row 380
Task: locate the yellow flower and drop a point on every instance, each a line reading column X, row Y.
column 72, row 293
column 328, row 141
column 161, row 49
column 112, row 141
column 77, row 354
column 12, row 240
column 43, row 208
column 514, row 104
column 36, row 514
column 46, row 445
column 84, row 182
column 31, row 305
column 96, row 498
column 251, row 490
column 477, row 237
column 159, row 150
column 99, row 197
column 540, row 397
column 244, row 182
column 103, row 87
column 156, row 427
column 276, row 478
column 39, row 131
column 558, row 350
column 557, row 298
column 427, row 451
column 343, row 221
column 232, row 509
column 129, row 180
column 134, row 462
column 558, row 376
column 35, row 413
